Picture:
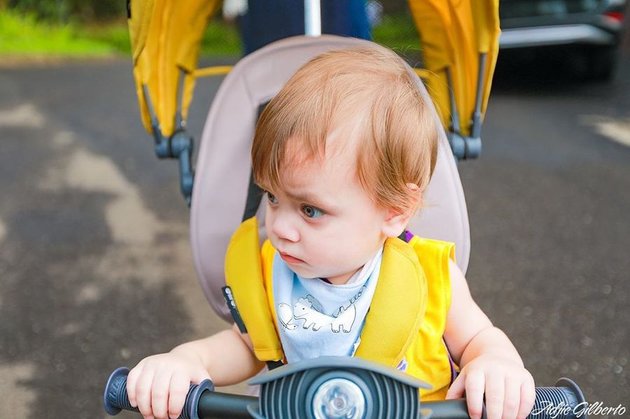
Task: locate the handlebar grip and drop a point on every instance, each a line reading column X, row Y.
column 115, row 396
column 559, row 402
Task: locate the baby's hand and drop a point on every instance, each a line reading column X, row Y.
column 508, row 387
column 158, row 384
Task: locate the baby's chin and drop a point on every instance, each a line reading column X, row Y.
column 305, row 273
column 311, row 272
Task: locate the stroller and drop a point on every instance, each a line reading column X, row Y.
column 223, row 167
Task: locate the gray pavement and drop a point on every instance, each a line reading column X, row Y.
column 95, row 265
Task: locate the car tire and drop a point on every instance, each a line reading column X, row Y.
column 601, row 63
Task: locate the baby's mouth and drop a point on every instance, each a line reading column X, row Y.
column 290, row 259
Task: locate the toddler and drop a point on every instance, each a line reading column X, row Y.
column 344, row 153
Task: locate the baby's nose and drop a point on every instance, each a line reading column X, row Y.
column 284, row 228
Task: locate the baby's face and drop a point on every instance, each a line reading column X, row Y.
column 322, row 222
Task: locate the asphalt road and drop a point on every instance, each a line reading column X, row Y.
column 95, row 265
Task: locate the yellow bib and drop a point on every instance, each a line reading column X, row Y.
column 407, row 315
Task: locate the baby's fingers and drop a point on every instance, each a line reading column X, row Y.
column 180, row 383
column 456, row 390
column 143, row 392
column 495, row 396
column 132, row 380
column 475, row 386
column 512, row 400
column 528, row 398
column 160, row 393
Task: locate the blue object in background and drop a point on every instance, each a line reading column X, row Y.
column 270, row 20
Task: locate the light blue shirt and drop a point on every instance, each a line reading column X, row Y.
column 316, row 318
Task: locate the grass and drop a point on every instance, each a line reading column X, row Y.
column 397, row 32
column 221, row 39
column 24, row 36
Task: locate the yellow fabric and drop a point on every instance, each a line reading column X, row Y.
column 267, row 254
column 165, row 40
column 486, row 18
column 407, row 315
column 428, row 358
column 452, row 34
column 219, row 70
column 397, row 308
column 243, row 274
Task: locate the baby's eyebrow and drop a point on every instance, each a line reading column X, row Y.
column 311, row 199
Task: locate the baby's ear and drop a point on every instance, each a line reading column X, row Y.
column 397, row 220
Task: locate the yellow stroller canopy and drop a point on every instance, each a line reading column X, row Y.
column 459, row 41
column 165, row 40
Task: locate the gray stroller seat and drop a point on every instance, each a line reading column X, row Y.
column 223, row 165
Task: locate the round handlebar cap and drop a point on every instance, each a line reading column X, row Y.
column 118, row 375
column 571, row 385
column 192, row 400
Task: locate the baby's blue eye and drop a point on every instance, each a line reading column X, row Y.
column 272, row 198
column 312, row 212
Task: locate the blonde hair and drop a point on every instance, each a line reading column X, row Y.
column 372, row 87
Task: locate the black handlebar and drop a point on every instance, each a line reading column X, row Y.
column 559, row 402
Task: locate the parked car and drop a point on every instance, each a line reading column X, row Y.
column 588, row 31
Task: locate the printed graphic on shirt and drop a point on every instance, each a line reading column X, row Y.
column 308, row 310
column 285, row 315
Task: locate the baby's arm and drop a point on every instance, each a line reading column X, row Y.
column 159, row 383
column 489, row 362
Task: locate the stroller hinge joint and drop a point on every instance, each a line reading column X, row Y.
column 179, row 146
column 464, row 147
